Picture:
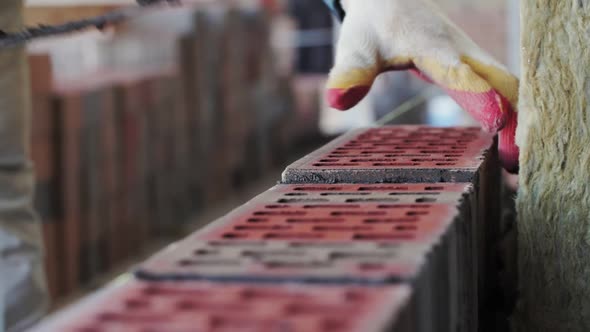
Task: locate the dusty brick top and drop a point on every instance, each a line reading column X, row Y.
column 395, row 154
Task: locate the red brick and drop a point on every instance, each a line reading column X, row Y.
column 332, row 237
column 69, row 108
column 131, row 93
column 310, row 233
column 200, row 306
column 41, row 74
column 44, row 154
column 396, row 154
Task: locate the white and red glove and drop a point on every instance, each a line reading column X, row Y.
column 383, row 35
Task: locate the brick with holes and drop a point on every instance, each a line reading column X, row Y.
column 201, row 306
column 396, row 154
column 302, row 241
column 348, row 233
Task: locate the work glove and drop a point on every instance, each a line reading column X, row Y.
column 383, row 35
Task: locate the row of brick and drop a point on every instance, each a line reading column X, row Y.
column 339, row 245
column 123, row 156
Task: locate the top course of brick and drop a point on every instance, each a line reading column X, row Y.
column 396, row 154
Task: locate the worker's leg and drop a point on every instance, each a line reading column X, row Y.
column 22, row 286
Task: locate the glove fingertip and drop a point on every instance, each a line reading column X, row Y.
column 344, row 99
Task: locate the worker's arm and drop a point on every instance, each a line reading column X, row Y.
column 383, row 35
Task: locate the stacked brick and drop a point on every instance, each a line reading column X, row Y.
column 350, row 248
column 125, row 155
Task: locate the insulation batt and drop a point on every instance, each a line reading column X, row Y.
column 554, row 138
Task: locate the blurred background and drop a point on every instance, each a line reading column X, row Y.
column 145, row 131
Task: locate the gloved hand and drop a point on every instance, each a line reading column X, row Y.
column 383, row 35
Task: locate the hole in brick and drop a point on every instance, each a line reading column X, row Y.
column 277, row 206
column 263, row 254
column 334, row 164
column 310, row 308
column 362, row 255
column 216, row 262
column 452, row 156
column 389, row 220
column 404, row 206
column 261, row 293
column 358, row 213
column 373, row 160
column 234, row 236
column 296, row 194
column 334, row 325
column 369, row 200
column 413, row 194
column 332, row 206
column 136, row 304
column 425, row 200
column 405, row 228
column 434, row 188
column 237, row 244
column 395, row 164
column 293, row 236
column 205, row 252
column 445, row 164
column 315, row 220
column 374, row 237
column 333, row 160
column 257, row 220
column 108, row 316
column 280, row 213
column 354, row 296
column 347, row 155
column 303, row 200
column 442, row 143
column 371, row 266
column 162, row 291
column 296, row 265
column 438, row 151
column 343, row 194
column 332, row 245
column 417, row 213
column 186, row 305
column 88, row 329
column 262, row 228
column 150, row 291
column 433, row 160
column 341, row 228
column 382, row 188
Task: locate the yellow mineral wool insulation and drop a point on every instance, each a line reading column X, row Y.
column 554, row 196
column 22, row 285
